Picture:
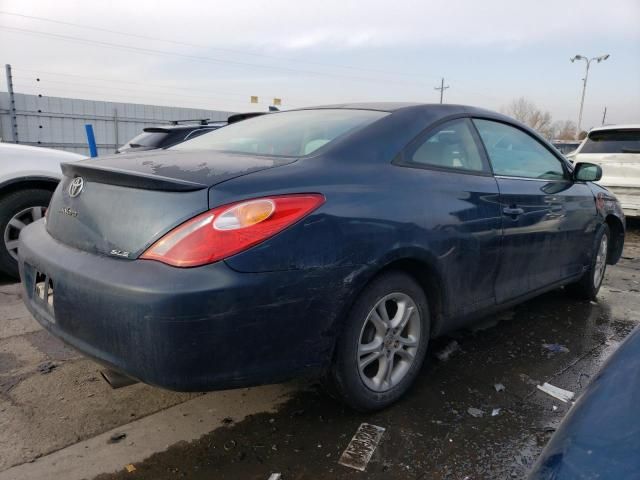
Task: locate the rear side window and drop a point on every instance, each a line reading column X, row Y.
column 450, row 145
column 514, row 153
column 612, row 141
column 290, row 134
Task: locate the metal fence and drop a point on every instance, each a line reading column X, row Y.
column 57, row 122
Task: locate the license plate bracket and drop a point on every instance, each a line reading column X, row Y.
column 44, row 291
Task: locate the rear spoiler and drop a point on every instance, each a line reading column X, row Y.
column 156, row 130
column 126, row 178
column 238, row 117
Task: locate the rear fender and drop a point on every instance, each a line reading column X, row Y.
column 421, row 264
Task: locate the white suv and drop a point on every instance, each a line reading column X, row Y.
column 28, row 177
column 616, row 148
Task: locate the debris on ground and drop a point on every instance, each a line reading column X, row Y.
column 555, row 348
column 275, row 476
column 227, row 421
column 444, row 354
column 361, row 447
column 556, row 392
column 527, row 379
column 499, row 387
column 130, row 468
column 46, row 367
column 230, row 445
column 495, row 412
column 117, row 437
column 475, row 412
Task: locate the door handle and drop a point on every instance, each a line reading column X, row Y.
column 513, row 210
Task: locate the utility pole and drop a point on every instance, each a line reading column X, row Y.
column 604, row 115
column 599, row 59
column 12, row 105
column 442, row 88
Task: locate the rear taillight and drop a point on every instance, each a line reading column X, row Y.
column 230, row 229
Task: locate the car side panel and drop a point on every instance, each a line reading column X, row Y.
column 450, row 221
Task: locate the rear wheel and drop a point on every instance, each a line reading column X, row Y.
column 17, row 210
column 588, row 286
column 383, row 344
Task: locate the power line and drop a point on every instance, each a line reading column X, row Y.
column 78, row 93
column 193, row 45
column 42, row 84
column 41, row 73
column 151, row 51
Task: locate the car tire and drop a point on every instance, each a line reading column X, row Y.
column 16, row 209
column 403, row 342
column 588, row 286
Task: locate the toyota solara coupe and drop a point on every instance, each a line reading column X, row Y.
column 332, row 241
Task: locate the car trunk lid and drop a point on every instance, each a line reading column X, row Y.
column 125, row 203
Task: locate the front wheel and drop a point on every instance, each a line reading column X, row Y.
column 383, row 345
column 588, row 286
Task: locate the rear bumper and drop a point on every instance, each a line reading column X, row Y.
column 190, row 329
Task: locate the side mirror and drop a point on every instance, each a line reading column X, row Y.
column 587, row 172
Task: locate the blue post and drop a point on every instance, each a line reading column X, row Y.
column 91, row 140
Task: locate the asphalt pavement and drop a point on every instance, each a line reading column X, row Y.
column 475, row 411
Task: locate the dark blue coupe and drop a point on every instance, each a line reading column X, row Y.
column 333, row 240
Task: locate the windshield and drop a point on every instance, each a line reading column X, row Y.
column 146, row 139
column 291, row 134
column 612, row 141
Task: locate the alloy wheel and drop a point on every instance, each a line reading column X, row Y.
column 17, row 223
column 601, row 261
column 388, row 342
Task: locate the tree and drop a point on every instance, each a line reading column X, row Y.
column 564, row 130
column 528, row 113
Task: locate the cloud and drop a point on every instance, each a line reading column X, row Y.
column 313, row 52
column 335, row 24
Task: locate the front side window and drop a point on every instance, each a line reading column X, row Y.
column 514, row 153
column 612, row 141
column 290, row 134
column 450, row 145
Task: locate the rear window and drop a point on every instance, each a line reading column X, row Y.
column 612, row 141
column 288, row 134
column 146, row 139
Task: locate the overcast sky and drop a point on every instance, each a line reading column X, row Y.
column 210, row 54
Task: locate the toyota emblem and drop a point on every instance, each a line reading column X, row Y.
column 75, row 187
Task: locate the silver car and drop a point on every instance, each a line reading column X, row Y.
column 28, row 177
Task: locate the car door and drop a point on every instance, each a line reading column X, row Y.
column 547, row 219
column 462, row 214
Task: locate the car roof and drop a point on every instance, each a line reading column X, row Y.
column 34, row 151
column 628, row 126
column 392, row 106
column 379, row 106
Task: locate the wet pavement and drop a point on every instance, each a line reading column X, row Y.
column 432, row 433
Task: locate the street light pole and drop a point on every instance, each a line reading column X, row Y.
column 588, row 61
